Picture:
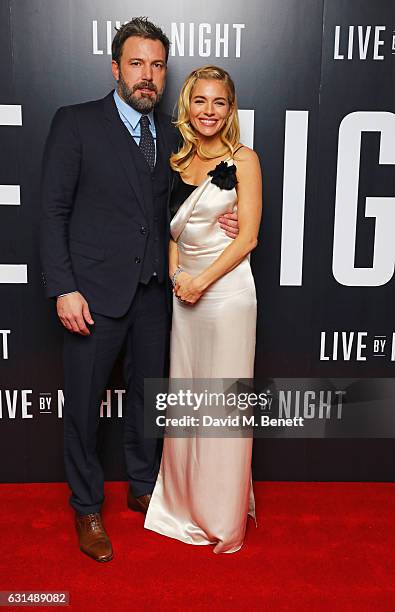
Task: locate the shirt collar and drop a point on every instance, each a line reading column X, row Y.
column 132, row 116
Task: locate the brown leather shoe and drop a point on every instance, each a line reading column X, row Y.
column 138, row 504
column 92, row 536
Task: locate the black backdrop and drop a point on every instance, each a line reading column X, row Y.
column 295, row 67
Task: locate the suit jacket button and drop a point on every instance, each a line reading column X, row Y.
column 143, row 230
column 137, row 260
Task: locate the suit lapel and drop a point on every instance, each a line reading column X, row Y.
column 163, row 145
column 119, row 138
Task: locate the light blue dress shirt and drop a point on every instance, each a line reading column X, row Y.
column 131, row 119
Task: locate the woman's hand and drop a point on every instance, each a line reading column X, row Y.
column 187, row 288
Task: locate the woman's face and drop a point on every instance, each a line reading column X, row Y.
column 209, row 106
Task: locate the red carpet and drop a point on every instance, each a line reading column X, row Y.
column 318, row 546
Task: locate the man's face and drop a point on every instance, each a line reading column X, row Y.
column 141, row 73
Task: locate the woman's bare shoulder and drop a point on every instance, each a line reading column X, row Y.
column 245, row 154
column 247, row 162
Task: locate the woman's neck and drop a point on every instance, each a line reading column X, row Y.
column 213, row 145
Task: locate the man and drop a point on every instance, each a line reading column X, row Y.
column 104, row 242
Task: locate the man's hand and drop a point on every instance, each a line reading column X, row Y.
column 229, row 224
column 73, row 311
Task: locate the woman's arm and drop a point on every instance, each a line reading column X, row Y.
column 173, row 257
column 249, row 209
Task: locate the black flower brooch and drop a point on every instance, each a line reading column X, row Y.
column 224, row 176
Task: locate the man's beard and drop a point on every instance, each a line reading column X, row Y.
column 143, row 104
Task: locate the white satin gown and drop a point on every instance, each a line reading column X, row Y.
column 203, row 492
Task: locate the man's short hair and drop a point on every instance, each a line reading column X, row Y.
column 141, row 27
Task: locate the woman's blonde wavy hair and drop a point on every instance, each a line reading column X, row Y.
column 230, row 132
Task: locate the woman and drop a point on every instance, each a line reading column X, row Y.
column 204, row 490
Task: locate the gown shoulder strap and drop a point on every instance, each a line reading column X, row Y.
column 238, row 149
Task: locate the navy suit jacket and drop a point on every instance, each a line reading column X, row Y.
column 94, row 221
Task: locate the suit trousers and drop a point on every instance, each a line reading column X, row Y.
column 88, row 360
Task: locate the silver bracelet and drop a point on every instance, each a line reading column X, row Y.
column 175, row 274
column 64, row 294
